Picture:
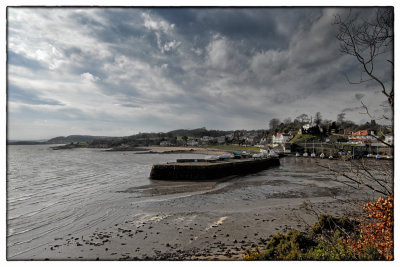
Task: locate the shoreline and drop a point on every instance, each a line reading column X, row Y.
column 189, row 235
column 213, row 220
column 171, row 150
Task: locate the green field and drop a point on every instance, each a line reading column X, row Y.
column 302, row 138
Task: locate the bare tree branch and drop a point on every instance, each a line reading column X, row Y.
column 366, row 40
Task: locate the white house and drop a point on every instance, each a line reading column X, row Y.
column 165, row 143
column 221, row 140
column 192, row 143
column 281, row 138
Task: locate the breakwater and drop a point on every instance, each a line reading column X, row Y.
column 206, row 170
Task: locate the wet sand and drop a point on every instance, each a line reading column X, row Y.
column 216, row 220
column 197, row 150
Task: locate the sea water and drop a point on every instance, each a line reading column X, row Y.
column 55, row 193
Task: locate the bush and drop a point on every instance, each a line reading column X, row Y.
column 333, row 238
column 376, row 234
column 328, row 225
column 301, row 246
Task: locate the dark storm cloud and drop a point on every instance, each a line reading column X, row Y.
column 164, row 68
column 265, row 28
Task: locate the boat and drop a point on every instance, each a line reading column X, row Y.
column 264, row 153
column 297, row 154
column 237, row 155
column 272, row 154
column 330, row 157
column 245, row 154
column 313, row 152
column 378, row 156
column 305, row 149
column 322, row 155
column 226, row 156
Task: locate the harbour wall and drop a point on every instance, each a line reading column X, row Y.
column 210, row 171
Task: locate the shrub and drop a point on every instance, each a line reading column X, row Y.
column 328, row 225
column 333, row 238
column 376, row 234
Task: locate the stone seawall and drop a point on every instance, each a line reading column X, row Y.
column 208, row 171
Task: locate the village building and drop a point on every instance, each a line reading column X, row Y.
column 264, row 141
column 362, row 136
column 165, row 143
column 205, row 140
column 281, row 138
column 192, row 143
column 221, row 140
column 229, row 137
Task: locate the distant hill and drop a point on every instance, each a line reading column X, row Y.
column 132, row 140
column 195, row 132
column 77, row 138
column 14, row 142
column 199, row 132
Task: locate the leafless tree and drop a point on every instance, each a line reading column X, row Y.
column 376, row 175
column 318, row 118
column 287, row 121
column 369, row 40
column 303, row 118
column 340, row 118
column 274, row 123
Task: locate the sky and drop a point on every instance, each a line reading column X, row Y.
column 121, row 71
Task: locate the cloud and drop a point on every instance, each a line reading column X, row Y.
column 161, row 69
column 359, row 96
column 89, row 77
column 17, row 94
column 156, row 24
column 269, row 64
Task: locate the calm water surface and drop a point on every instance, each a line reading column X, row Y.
column 53, row 193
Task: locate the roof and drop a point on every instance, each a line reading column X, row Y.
column 360, row 133
column 282, row 134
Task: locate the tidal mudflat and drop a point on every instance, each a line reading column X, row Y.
column 90, row 205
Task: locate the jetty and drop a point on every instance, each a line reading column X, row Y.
column 199, row 169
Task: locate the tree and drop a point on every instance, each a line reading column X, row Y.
column 274, row 123
column 303, row 118
column 318, row 118
column 340, row 118
column 369, row 41
column 287, row 121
